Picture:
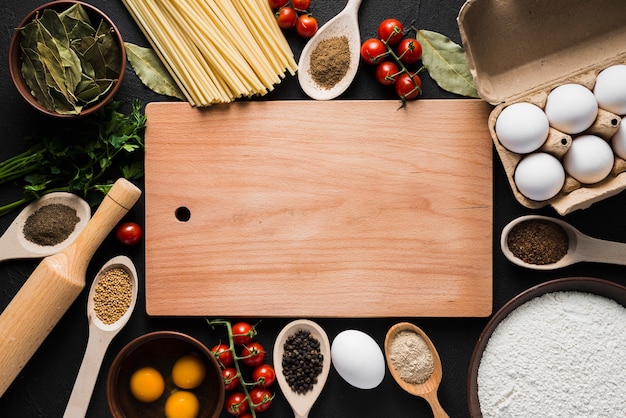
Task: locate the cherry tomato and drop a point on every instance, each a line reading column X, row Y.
column 409, row 50
column 373, row 51
column 286, row 17
column 390, row 31
column 128, row 233
column 236, row 404
column 277, row 4
column 223, row 354
column 264, row 375
column 253, row 354
column 246, row 415
column 301, row 4
column 243, row 333
column 231, row 380
column 386, row 73
column 408, row 87
column 261, row 399
column 306, row 26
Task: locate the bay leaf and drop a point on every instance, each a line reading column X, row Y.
column 90, row 90
column 151, row 71
column 109, row 49
column 446, row 63
column 76, row 11
column 34, row 74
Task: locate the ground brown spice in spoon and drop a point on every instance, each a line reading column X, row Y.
column 537, row 241
column 330, row 61
column 50, row 224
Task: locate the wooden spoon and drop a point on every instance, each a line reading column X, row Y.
column 13, row 243
column 346, row 23
column 428, row 389
column 581, row 247
column 100, row 336
column 301, row 404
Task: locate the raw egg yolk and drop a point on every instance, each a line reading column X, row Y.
column 188, row 372
column 147, row 384
column 182, row 404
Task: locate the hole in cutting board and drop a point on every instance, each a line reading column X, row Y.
column 183, row 214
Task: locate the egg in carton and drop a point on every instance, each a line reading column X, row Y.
column 522, row 52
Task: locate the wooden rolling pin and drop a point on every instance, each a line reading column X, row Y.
column 54, row 285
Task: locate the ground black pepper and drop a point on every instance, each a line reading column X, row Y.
column 50, row 224
column 302, row 361
column 538, row 241
column 330, row 61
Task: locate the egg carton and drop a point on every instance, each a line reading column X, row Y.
column 521, row 51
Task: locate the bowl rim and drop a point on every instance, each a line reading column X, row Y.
column 14, row 59
column 600, row 287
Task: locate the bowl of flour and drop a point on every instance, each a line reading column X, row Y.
column 556, row 350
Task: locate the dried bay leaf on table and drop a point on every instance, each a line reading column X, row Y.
column 151, row 71
column 446, row 63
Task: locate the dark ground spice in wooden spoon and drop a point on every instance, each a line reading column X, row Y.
column 538, row 241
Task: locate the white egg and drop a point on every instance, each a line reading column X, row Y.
column 539, row 176
column 522, row 127
column 589, row 159
column 610, row 89
column 571, row 108
column 618, row 141
column 358, row 359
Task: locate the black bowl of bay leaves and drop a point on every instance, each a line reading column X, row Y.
column 67, row 59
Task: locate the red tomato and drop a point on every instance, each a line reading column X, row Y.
column 301, row 4
column 236, row 404
column 286, row 17
column 306, row 26
column 390, row 31
column 264, row 375
column 231, row 380
column 243, row 333
column 408, row 87
column 246, row 415
column 261, row 399
column 128, row 233
column 223, row 354
column 253, row 354
column 409, row 50
column 277, row 4
column 373, row 51
column 386, row 73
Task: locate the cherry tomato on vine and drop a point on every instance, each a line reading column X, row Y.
column 243, row 333
column 261, row 399
column 128, row 233
column 390, row 31
column 409, row 50
column 306, row 26
column 231, row 380
column 386, row 73
column 408, row 87
column 223, row 354
column 246, row 415
column 373, row 51
column 277, row 4
column 286, row 17
column 301, row 4
column 264, row 375
column 236, row 404
column 253, row 354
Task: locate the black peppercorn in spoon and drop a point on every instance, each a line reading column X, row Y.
column 301, row 403
column 580, row 246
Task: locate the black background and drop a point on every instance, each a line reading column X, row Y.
column 44, row 386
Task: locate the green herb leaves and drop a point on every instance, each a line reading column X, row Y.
column 151, row 71
column 66, row 61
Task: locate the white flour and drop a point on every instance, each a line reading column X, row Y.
column 562, row 354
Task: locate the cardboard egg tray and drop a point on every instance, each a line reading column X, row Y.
column 520, row 51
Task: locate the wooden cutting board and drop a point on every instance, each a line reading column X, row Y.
column 319, row 209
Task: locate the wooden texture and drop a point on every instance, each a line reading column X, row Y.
column 319, row 209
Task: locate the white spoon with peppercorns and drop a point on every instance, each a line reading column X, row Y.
column 304, row 342
column 46, row 226
column 110, row 304
column 544, row 243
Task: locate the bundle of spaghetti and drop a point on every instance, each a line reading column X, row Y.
column 216, row 50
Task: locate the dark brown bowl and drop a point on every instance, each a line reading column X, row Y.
column 160, row 350
column 599, row 287
column 15, row 60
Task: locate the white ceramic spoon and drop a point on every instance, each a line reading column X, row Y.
column 301, row 404
column 346, row 23
column 581, row 247
column 100, row 336
column 13, row 243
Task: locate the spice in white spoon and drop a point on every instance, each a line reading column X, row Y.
column 50, row 224
column 113, row 295
column 330, row 61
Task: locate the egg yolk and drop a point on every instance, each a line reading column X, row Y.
column 188, row 372
column 147, row 384
column 182, row 404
